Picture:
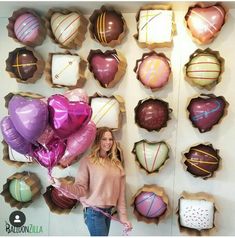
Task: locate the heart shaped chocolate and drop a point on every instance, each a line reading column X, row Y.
column 205, row 112
column 205, row 22
column 151, row 156
column 65, row 27
column 104, row 66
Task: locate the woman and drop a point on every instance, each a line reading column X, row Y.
column 100, row 183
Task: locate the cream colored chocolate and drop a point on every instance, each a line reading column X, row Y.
column 203, row 69
column 65, row 27
column 155, row 26
column 15, row 156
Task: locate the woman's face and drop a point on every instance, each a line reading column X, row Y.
column 106, row 142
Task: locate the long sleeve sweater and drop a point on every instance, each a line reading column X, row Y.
column 100, row 186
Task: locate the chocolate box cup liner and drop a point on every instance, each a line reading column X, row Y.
column 47, row 196
column 112, row 43
column 6, row 157
column 158, row 191
column 121, row 106
column 9, row 96
column 196, row 196
column 82, row 68
column 155, row 45
column 141, row 167
column 121, row 66
column 209, row 51
column 151, row 98
column 209, row 96
column 31, row 180
column 204, row 5
column 202, row 177
column 42, row 29
column 40, row 64
column 82, row 29
column 146, row 55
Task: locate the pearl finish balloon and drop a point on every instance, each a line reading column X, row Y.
column 77, row 95
column 29, row 116
column 207, row 111
column 104, row 67
column 67, row 117
column 13, row 137
column 152, row 114
column 108, row 26
column 78, row 143
column 205, row 22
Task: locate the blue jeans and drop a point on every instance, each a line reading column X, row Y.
column 97, row 223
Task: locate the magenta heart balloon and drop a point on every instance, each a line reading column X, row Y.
column 78, row 143
column 49, row 155
column 13, row 137
column 67, row 117
column 29, row 116
column 104, row 67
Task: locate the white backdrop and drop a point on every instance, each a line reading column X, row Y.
column 179, row 133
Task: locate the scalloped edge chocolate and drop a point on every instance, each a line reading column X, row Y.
column 159, row 191
column 41, row 33
column 145, row 56
column 31, row 180
column 82, row 68
column 155, row 45
column 196, row 196
column 121, row 107
column 141, row 167
column 204, row 5
column 122, row 64
column 207, row 51
column 82, row 29
column 37, row 74
column 208, row 96
column 152, row 98
column 185, row 167
column 112, row 43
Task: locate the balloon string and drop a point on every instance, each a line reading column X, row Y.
column 65, row 192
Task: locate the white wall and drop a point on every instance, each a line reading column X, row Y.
column 179, row 133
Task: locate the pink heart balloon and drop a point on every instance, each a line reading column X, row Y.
column 78, row 143
column 49, row 155
column 67, row 117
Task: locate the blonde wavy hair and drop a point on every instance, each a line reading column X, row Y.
column 95, row 150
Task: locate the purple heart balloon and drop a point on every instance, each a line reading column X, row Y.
column 49, row 155
column 67, row 117
column 13, row 137
column 29, row 116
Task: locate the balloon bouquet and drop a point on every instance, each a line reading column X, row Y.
column 52, row 130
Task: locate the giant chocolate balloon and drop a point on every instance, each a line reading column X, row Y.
column 24, row 64
column 107, row 26
column 152, row 114
column 206, row 111
column 202, row 160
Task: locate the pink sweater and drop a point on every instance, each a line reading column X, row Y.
column 99, row 186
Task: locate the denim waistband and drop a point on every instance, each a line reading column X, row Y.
column 101, row 208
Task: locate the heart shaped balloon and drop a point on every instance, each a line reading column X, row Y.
column 205, row 22
column 49, row 155
column 104, row 66
column 67, row 117
column 13, row 137
column 151, row 155
column 76, row 95
column 206, row 111
column 65, row 27
column 29, row 116
column 78, row 143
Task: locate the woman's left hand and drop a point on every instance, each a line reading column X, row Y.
column 128, row 225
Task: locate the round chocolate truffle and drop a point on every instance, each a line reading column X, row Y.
column 152, row 114
column 24, row 64
column 202, row 160
column 107, row 26
column 61, row 200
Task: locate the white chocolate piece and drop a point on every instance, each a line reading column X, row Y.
column 15, row 156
